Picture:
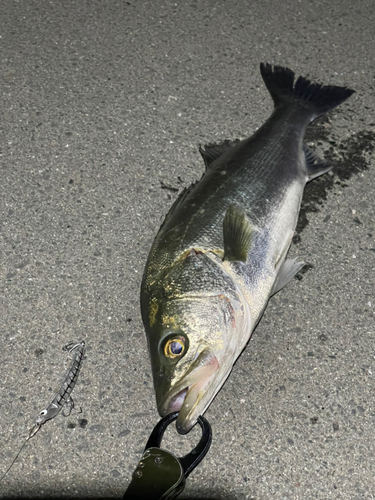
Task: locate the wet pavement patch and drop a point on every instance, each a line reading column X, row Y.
column 83, row 423
column 348, row 157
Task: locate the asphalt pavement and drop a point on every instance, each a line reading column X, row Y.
column 103, row 107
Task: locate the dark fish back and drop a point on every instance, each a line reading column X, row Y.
column 254, row 174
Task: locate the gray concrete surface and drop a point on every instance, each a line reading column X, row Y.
column 103, row 106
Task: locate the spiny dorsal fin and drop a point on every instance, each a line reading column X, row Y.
column 212, row 152
column 315, row 165
column 237, row 233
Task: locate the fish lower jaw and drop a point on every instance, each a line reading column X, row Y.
column 186, row 402
column 176, row 402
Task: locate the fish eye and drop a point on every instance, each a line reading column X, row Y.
column 174, row 347
column 43, row 412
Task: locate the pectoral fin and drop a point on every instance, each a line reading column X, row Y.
column 237, row 233
column 288, row 269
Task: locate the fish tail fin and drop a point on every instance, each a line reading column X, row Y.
column 315, row 97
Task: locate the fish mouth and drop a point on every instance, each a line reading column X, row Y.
column 188, row 395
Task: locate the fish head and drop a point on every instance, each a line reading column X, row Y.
column 195, row 334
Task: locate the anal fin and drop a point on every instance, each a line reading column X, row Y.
column 237, row 232
column 315, row 165
column 288, row 269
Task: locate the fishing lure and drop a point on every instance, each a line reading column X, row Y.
column 62, row 398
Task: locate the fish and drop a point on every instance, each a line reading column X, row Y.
column 221, row 251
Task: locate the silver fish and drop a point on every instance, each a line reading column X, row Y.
column 221, row 252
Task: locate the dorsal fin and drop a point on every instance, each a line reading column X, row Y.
column 237, row 234
column 212, row 152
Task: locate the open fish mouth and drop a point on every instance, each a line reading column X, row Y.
column 187, row 396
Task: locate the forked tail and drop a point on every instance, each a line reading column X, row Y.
column 317, row 98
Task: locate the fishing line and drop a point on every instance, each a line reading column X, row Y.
column 15, row 458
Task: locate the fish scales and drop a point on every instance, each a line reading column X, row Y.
column 221, row 251
column 201, row 215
